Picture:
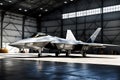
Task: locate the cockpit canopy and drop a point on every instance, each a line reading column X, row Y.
column 39, row 34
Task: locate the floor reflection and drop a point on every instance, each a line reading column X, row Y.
column 33, row 70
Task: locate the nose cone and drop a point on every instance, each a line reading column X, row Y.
column 12, row 44
column 16, row 44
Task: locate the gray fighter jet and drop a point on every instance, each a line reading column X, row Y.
column 69, row 44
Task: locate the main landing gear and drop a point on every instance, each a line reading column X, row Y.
column 83, row 53
column 40, row 53
column 68, row 52
column 57, row 53
column 84, row 50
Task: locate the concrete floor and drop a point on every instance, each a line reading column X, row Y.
column 29, row 67
column 74, row 58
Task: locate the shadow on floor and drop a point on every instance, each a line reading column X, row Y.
column 62, row 56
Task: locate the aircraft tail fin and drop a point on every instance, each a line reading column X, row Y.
column 94, row 35
column 69, row 35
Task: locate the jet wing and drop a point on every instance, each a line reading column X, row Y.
column 109, row 45
column 98, row 45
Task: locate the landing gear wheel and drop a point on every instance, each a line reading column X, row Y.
column 39, row 54
column 67, row 54
column 56, row 54
column 84, row 54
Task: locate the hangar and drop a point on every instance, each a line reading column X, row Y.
column 21, row 19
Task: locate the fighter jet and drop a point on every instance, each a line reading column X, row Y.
column 69, row 44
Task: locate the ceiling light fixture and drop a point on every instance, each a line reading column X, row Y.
column 1, row 4
column 41, row 8
column 65, row 2
column 46, row 10
column 39, row 15
column 10, row 1
column 25, row 10
column 20, row 9
column 71, row 0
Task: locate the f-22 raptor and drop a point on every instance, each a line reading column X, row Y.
column 69, row 44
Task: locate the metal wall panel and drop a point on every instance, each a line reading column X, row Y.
column 51, row 23
column 12, row 27
column 85, row 25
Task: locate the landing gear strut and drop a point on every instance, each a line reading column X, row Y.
column 83, row 53
column 84, row 50
column 40, row 53
column 68, row 53
column 57, row 53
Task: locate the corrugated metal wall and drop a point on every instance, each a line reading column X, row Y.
column 12, row 27
column 53, row 23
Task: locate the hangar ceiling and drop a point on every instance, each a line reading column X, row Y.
column 32, row 8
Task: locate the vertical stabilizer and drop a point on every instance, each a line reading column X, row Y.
column 69, row 35
column 94, row 35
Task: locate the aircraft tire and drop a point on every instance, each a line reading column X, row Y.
column 57, row 54
column 84, row 54
column 39, row 55
column 67, row 54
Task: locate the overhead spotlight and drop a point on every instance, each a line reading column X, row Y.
column 10, row 1
column 71, row 0
column 41, row 8
column 39, row 15
column 20, row 9
column 65, row 2
column 46, row 10
column 25, row 10
column 1, row 4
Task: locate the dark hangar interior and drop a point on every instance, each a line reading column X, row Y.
column 51, row 40
column 22, row 18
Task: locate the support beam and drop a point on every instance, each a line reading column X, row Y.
column 23, row 27
column 102, row 20
column 76, row 22
column 85, row 26
column 1, row 35
column 46, row 30
column 61, row 24
column 61, row 28
column 39, row 27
